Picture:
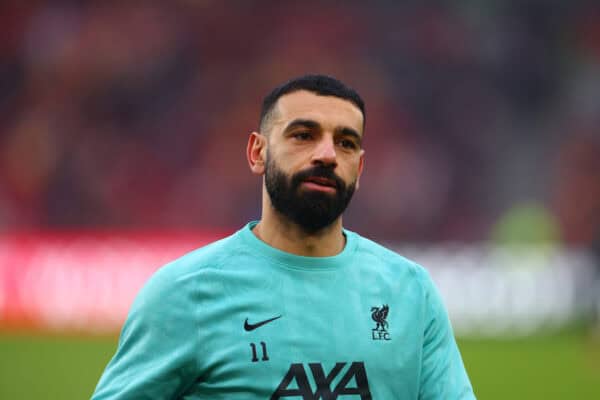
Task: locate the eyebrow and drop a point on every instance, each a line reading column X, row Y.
column 345, row 131
column 305, row 123
column 309, row 123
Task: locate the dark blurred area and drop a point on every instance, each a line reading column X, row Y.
column 136, row 114
column 123, row 122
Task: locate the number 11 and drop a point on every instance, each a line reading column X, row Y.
column 265, row 356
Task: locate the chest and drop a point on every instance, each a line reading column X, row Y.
column 319, row 337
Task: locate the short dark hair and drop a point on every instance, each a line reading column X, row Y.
column 322, row 85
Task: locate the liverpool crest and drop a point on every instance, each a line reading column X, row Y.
column 379, row 315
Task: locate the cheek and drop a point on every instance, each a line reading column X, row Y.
column 354, row 168
column 292, row 162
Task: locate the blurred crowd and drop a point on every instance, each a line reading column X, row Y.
column 135, row 115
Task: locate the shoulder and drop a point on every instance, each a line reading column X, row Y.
column 210, row 256
column 368, row 248
column 179, row 279
column 397, row 268
column 389, row 260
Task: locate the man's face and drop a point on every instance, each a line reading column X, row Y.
column 314, row 158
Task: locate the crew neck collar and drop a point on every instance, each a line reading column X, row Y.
column 296, row 261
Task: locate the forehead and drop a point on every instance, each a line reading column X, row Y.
column 328, row 111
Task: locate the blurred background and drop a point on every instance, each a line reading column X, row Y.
column 122, row 135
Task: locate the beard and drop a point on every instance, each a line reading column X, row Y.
column 312, row 210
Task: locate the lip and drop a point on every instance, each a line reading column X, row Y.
column 318, row 180
column 322, row 185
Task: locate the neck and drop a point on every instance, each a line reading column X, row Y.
column 279, row 232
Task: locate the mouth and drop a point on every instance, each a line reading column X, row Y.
column 320, row 183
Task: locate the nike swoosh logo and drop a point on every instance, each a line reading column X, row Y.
column 250, row 327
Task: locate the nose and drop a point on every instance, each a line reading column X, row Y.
column 325, row 153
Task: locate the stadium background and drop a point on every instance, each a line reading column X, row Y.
column 122, row 131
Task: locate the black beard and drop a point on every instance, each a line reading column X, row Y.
column 310, row 209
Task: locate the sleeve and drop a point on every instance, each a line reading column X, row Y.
column 156, row 355
column 443, row 375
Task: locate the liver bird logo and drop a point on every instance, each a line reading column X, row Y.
column 379, row 314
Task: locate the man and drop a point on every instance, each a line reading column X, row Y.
column 293, row 306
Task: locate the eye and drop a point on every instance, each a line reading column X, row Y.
column 302, row 135
column 347, row 144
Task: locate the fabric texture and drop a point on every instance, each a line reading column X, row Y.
column 238, row 319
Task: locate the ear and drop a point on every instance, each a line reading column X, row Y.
column 256, row 153
column 361, row 165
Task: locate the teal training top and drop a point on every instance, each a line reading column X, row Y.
column 239, row 319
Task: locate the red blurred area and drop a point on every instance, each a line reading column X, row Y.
column 82, row 281
column 135, row 115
